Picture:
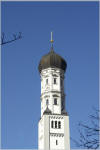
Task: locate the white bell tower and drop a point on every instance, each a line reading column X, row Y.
column 53, row 127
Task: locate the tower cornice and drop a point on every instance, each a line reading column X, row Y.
column 58, row 92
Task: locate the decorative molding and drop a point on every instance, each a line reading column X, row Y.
column 53, row 91
column 56, row 117
column 46, row 96
column 55, row 95
column 57, row 134
column 54, row 75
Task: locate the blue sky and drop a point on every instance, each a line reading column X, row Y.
column 76, row 38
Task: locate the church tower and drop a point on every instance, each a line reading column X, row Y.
column 53, row 126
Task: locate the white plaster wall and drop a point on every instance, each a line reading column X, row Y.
column 48, row 135
column 50, row 89
column 41, row 134
column 51, row 73
column 46, row 132
column 62, row 135
column 57, row 108
column 66, row 133
column 53, row 145
column 57, row 118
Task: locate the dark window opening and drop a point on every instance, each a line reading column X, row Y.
column 54, row 80
column 59, row 124
column 55, row 124
column 55, row 101
column 52, row 124
column 56, row 142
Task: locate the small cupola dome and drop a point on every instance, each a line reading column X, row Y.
column 52, row 60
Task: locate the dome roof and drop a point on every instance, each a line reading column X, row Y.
column 52, row 60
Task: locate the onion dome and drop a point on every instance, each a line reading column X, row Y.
column 52, row 60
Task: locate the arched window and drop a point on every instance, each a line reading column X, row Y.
column 52, row 124
column 55, row 124
column 55, row 101
column 59, row 124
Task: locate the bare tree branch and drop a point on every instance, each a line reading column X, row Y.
column 89, row 134
column 14, row 38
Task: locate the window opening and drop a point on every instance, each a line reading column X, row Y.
column 56, row 142
column 55, row 81
column 59, row 124
column 55, row 124
column 55, row 101
column 52, row 124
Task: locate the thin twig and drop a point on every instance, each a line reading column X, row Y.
column 14, row 38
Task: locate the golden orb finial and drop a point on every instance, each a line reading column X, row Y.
column 52, row 41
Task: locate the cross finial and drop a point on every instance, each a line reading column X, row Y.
column 52, row 40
